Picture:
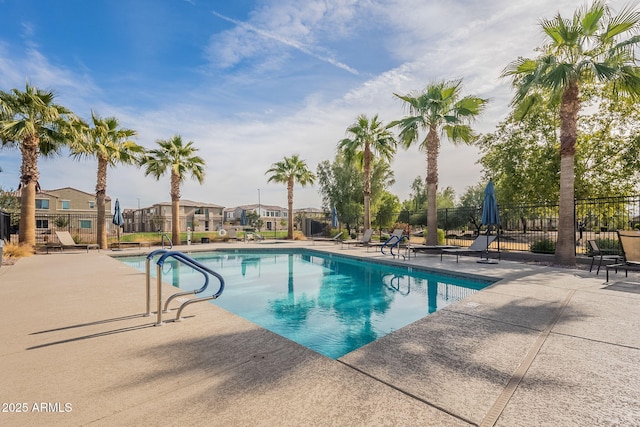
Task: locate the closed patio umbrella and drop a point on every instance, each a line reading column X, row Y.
column 243, row 218
column 118, row 220
column 334, row 217
column 490, row 214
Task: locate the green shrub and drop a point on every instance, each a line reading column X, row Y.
column 544, row 246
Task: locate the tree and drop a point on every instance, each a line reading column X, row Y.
column 577, row 51
column 289, row 171
column 388, row 210
column 341, row 187
column 110, row 144
column 438, row 109
column 32, row 122
column 521, row 156
column 367, row 139
column 181, row 160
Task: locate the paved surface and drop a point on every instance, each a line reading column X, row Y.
column 540, row 347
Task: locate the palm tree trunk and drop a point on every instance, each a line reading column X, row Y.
column 433, row 145
column 290, row 208
column 367, row 186
column 175, row 208
column 565, row 246
column 28, row 179
column 101, row 191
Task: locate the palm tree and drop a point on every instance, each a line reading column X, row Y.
column 32, row 122
column 289, row 171
column 438, row 109
column 110, row 144
column 366, row 139
column 181, row 160
column 577, row 51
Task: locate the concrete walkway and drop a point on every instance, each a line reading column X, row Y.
column 541, row 347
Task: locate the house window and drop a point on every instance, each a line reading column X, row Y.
column 42, row 223
column 198, row 211
column 85, row 223
column 92, row 204
column 65, row 204
column 42, row 203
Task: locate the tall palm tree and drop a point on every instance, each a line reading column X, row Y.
column 32, row 122
column 577, row 51
column 289, row 171
column 365, row 140
column 110, row 144
column 181, row 160
column 438, row 109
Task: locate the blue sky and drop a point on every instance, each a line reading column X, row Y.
column 250, row 82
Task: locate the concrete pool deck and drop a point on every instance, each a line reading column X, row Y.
column 542, row 346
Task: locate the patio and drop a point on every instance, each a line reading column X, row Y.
column 542, row 346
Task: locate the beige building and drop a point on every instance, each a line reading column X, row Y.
column 273, row 218
column 197, row 216
column 70, row 210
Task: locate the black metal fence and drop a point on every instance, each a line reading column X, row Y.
column 521, row 226
column 525, row 226
column 5, row 225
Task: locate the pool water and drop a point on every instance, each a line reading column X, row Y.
column 330, row 304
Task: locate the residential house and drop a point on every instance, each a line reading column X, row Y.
column 67, row 209
column 197, row 216
column 273, row 218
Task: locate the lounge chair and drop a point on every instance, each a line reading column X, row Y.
column 335, row 239
column 364, row 241
column 630, row 245
column 430, row 249
column 602, row 255
column 479, row 246
column 67, row 242
column 120, row 245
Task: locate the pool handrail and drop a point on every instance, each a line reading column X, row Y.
column 204, row 270
column 392, row 244
column 397, row 245
column 148, row 277
column 196, row 266
column 168, row 239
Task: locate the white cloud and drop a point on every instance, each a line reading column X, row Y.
column 241, row 128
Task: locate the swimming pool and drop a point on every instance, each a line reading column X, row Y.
column 330, row 304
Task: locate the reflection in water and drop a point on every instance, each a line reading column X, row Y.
column 331, row 304
column 293, row 310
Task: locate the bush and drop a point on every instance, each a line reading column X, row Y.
column 609, row 245
column 544, row 246
column 12, row 250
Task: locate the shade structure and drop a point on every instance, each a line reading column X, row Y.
column 334, row 217
column 243, row 217
column 490, row 214
column 118, row 220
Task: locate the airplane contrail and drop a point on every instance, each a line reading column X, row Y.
column 287, row 42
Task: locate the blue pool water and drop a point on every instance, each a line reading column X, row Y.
column 330, row 304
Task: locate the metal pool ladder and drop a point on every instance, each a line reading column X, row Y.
column 188, row 261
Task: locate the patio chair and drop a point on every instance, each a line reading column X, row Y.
column 603, row 255
column 66, row 242
column 479, row 246
column 364, row 241
column 630, row 245
column 429, row 249
column 335, row 239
